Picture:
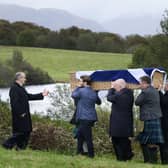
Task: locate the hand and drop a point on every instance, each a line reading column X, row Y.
column 112, row 84
column 130, row 138
column 79, row 84
column 22, row 115
column 45, row 92
column 160, row 87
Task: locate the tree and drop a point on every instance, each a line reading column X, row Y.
column 159, row 48
column 152, row 55
column 86, row 42
column 138, row 58
column 41, row 41
column 26, row 38
column 7, row 35
column 6, row 75
column 73, row 31
column 133, row 41
column 53, row 40
column 111, row 44
column 164, row 23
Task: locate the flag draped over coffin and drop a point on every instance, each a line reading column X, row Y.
column 129, row 75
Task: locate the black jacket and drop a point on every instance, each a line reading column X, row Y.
column 121, row 119
column 164, row 119
column 20, row 106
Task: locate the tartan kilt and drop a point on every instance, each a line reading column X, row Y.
column 152, row 133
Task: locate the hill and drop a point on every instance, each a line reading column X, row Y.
column 59, row 63
column 54, row 19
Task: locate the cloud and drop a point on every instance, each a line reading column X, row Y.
column 98, row 9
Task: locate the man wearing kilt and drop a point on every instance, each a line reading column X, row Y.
column 150, row 113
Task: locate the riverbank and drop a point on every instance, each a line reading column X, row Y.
column 42, row 106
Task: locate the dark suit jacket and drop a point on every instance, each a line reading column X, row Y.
column 19, row 104
column 149, row 103
column 121, row 119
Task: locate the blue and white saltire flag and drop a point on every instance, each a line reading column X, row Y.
column 129, row 75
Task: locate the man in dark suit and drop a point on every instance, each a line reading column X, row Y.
column 85, row 113
column 121, row 119
column 164, row 124
column 21, row 118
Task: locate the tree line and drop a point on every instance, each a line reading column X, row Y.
column 29, row 34
column 148, row 51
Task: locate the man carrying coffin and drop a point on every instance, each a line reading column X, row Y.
column 85, row 113
column 121, row 119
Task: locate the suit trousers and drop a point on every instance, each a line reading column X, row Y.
column 85, row 135
column 164, row 153
column 122, row 148
column 20, row 140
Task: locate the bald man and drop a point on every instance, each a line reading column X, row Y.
column 121, row 119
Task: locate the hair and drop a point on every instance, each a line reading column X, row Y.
column 146, row 79
column 18, row 75
column 87, row 79
column 121, row 82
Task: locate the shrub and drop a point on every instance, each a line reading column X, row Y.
column 62, row 104
column 5, row 120
column 56, row 135
column 102, row 141
column 49, row 137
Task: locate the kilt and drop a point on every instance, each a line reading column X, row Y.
column 152, row 133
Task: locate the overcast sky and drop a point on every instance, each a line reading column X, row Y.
column 99, row 10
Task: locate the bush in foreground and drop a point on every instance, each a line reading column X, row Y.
column 5, row 120
column 49, row 137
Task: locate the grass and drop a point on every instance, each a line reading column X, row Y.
column 38, row 159
column 59, row 63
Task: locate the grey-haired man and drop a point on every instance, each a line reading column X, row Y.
column 21, row 118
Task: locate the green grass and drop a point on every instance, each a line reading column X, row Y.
column 37, row 159
column 59, row 63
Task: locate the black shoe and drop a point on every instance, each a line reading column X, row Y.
column 18, row 149
column 84, row 153
column 91, row 156
column 5, row 146
column 130, row 156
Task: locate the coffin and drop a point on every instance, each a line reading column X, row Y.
column 102, row 79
